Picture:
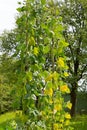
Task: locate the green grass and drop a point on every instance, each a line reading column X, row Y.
column 80, row 122
column 7, row 116
column 5, row 119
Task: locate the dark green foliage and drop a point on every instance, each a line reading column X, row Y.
column 8, row 42
column 81, row 102
column 74, row 14
column 81, row 105
column 8, row 78
column 5, row 98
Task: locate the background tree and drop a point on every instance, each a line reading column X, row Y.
column 74, row 14
column 9, row 68
column 8, row 42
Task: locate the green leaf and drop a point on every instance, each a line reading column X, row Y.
column 43, row 2
column 28, row 87
column 51, row 33
column 46, row 49
column 19, row 3
column 29, row 75
column 65, row 44
column 18, row 9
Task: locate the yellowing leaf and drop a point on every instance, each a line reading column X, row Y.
column 61, row 120
column 50, row 76
column 65, row 44
column 36, row 51
column 29, row 75
column 49, row 91
column 55, row 75
column 67, row 116
column 58, row 107
column 60, row 62
column 55, row 126
column 64, row 88
column 32, row 41
column 66, row 74
column 67, row 122
column 69, row 105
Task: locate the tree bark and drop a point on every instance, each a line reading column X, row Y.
column 73, row 99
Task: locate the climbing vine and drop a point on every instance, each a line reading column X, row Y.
column 43, row 65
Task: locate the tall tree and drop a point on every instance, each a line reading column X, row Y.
column 39, row 35
column 74, row 14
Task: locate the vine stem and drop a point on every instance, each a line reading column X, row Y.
column 52, row 58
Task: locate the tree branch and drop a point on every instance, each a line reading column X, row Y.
column 71, row 52
column 80, row 76
column 70, row 68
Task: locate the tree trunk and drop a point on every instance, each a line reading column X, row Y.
column 73, row 101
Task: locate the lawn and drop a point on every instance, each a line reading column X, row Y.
column 5, row 119
column 78, row 123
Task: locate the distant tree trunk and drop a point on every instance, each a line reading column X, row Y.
column 73, row 99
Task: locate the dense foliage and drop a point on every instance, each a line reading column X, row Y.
column 33, row 66
column 39, row 36
column 74, row 14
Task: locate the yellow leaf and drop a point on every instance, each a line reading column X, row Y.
column 49, row 91
column 64, row 88
column 60, row 62
column 55, row 75
column 69, row 105
column 61, row 120
column 67, row 116
column 55, row 126
column 57, row 107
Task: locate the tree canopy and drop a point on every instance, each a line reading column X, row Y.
column 74, row 14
